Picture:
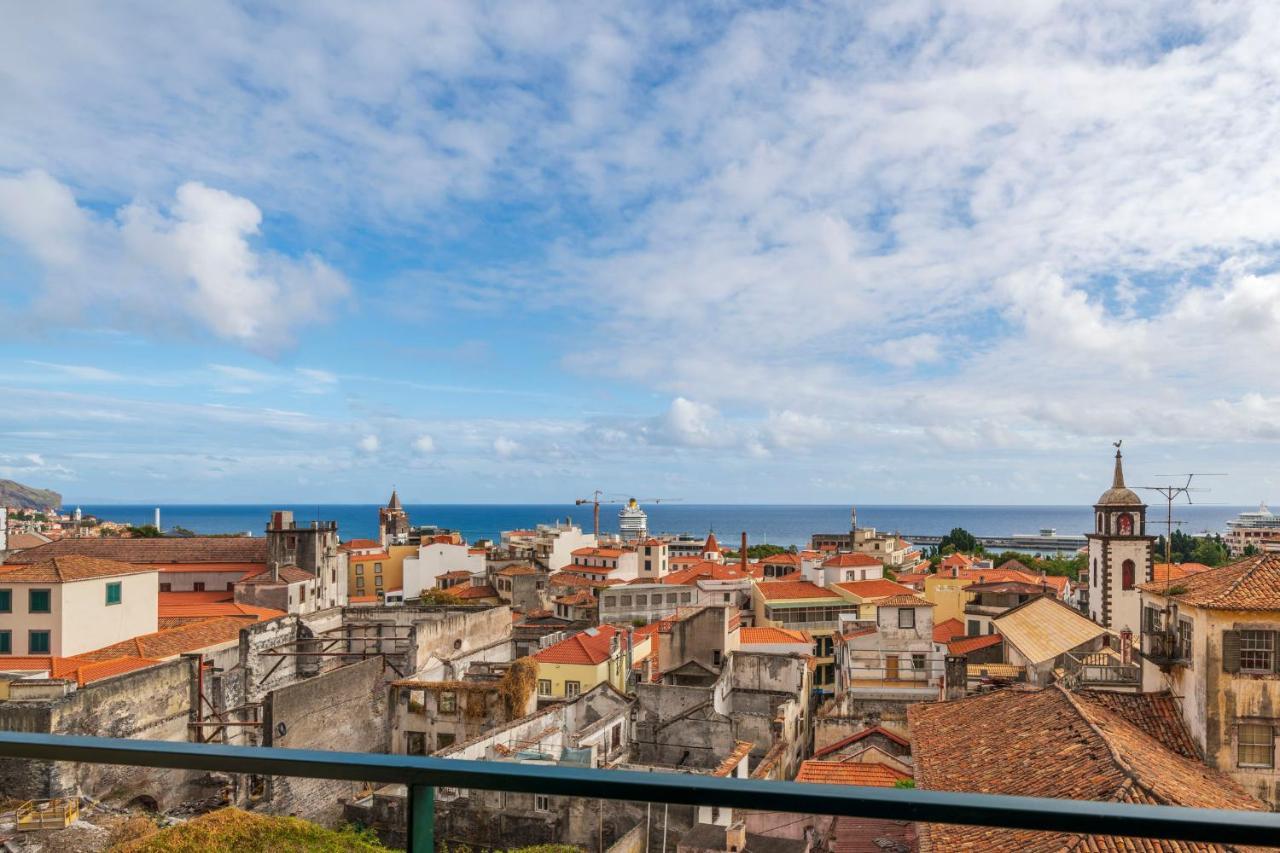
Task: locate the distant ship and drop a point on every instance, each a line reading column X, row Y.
column 1260, row 528
column 633, row 522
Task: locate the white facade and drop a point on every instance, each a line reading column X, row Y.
column 652, row 559
column 633, row 522
column 1120, row 556
column 435, row 559
column 894, row 655
column 4, row 529
column 79, row 618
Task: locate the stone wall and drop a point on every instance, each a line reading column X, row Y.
column 344, row 709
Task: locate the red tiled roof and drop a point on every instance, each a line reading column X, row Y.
column 587, row 647
column 1075, row 749
column 168, row 549
column 1249, row 584
column 458, row 573
column 25, row 663
column 785, row 559
column 87, row 673
column 172, row 642
column 581, row 598
column 770, row 635
column 467, row 592
column 907, row 600
column 1173, row 571
column 288, row 574
column 706, row 570
column 68, row 570
column 945, row 632
column 570, row 579
column 219, row 608
column 781, row 590
column 876, row 588
column 848, row 561
column 200, row 597
column 229, row 568
column 857, row 736
column 964, row 645
column 361, row 544
column 369, row 558
column 362, row 599
column 609, row 553
column 850, row 773
column 711, row 546
column 515, row 571
column 731, row 761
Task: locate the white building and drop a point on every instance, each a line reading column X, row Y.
column 892, row 657
column 616, row 564
column 1120, row 556
column 435, row 559
column 653, row 558
column 1261, row 529
column 68, row 605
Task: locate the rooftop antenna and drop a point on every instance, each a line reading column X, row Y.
column 1170, row 494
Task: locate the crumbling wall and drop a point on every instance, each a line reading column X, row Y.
column 344, row 709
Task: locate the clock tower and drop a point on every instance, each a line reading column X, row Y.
column 1120, row 555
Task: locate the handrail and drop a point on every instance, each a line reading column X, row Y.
column 421, row 773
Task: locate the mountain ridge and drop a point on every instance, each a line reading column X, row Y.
column 15, row 494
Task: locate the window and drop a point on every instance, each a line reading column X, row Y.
column 974, row 629
column 906, row 617
column 377, row 568
column 626, row 601
column 541, row 803
column 359, row 569
column 726, row 598
column 1127, row 570
column 648, row 566
column 38, row 643
column 1255, row 745
column 642, row 600
column 166, row 587
column 448, row 702
column 6, row 601
column 377, row 581
column 302, row 594
column 671, row 598
column 917, row 662
column 544, row 687
column 572, row 688
column 1184, row 638
column 715, row 657
column 38, row 601
column 198, row 586
column 359, row 583
column 1257, row 651
column 6, row 642
column 685, row 597
column 113, row 592
column 1150, row 620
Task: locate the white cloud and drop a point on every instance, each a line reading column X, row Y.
column 505, row 447
column 146, row 269
column 424, row 444
column 369, row 443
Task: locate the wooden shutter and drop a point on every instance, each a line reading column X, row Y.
column 1230, row 651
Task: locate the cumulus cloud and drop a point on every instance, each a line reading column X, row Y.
column 424, row 444
column 369, row 443
column 193, row 264
column 505, row 447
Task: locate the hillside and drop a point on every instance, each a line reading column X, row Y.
column 27, row 497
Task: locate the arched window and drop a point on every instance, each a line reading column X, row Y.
column 1126, row 524
column 1126, row 574
column 1095, row 574
column 1101, row 527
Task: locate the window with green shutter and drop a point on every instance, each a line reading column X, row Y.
column 6, row 642
column 113, row 592
column 38, row 601
column 6, row 601
column 38, row 643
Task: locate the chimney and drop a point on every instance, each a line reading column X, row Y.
column 955, row 680
column 742, row 555
column 735, row 838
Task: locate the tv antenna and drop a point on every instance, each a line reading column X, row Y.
column 1170, row 494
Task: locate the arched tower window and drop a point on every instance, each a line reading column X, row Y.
column 1101, row 524
column 1127, row 570
column 1125, row 524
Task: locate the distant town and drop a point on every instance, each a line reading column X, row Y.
column 1123, row 662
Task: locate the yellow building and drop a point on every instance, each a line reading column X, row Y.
column 576, row 665
column 372, row 569
column 805, row 606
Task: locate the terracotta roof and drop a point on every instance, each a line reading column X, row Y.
column 1044, row 627
column 288, row 574
column 587, row 647
column 911, row 578
column 581, row 598
column 1157, row 714
column 87, row 673
column 847, row 561
column 200, row 597
column 964, row 645
column 362, row 599
column 68, row 569
column 782, row 590
column 1249, row 584
column 570, row 579
column 871, row 835
column 360, row 544
column 457, row 573
column 711, row 546
column 705, row 570
column 229, row 568
column 1173, row 571
column 760, row 635
column 610, row 553
column 1016, row 566
column 731, row 761
column 946, row 631
column 784, row 559
column 172, row 642
column 469, row 592
column 369, row 558
column 876, row 588
column 907, row 600
column 514, row 571
column 961, row 560
column 23, row 541
column 849, row 773
column 168, row 549
column 1076, row 749
column 25, row 663
column 219, row 608
column 862, row 735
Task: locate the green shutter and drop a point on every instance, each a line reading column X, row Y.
column 1230, row 651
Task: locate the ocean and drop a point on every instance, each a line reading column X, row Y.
column 781, row 525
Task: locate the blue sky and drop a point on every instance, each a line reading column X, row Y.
column 875, row 253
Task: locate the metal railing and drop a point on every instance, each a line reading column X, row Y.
column 1101, row 669
column 421, row 774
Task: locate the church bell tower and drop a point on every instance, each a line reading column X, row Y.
column 1120, row 554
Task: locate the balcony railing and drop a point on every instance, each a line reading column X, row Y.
column 1101, row 668
column 422, row 774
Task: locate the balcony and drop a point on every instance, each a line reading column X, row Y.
column 1163, row 649
column 1102, row 669
column 423, row 774
column 991, row 610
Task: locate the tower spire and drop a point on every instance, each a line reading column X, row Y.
column 1117, row 480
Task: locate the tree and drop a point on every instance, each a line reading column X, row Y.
column 1209, row 551
column 439, row 596
column 759, row 552
column 1250, row 550
column 959, row 540
column 146, row 531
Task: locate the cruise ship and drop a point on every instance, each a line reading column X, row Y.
column 633, row 522
column 1260, row 528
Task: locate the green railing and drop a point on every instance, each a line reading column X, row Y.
column 422, row 774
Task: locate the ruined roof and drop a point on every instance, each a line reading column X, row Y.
column 767, row 634
column 1249, row 584
column 1068, row 748
column 581, row 598
column 876, row 588
column 850, row 773
column 848, row 561
column 186, row 549
column 783, row 590
column 1044, row 627
column 68, row 570
column 592, row 646
column 731, row 761
column 964, row 645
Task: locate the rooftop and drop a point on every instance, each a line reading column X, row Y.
column 706, row 570
column 877, row 588
column 68, row 569
column 466, row 592
column 1249, row 584
column 287, row 574
column 847, row 561
column 187, row 549
column 1044, row 627
column 947, row 631
column 905, row 600
column 850, row 773
column 964, row 645
column 784, row 590
column 591, row 646
column 762, row 635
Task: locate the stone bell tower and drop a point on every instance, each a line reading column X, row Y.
column 1120, row 555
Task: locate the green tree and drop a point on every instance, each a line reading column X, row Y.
column 146, row 531
column 959, row 540
column 1250, row 550
column 1209, row 551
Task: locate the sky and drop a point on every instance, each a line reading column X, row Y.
column 898, row 252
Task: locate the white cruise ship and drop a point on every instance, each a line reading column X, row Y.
column 1260, row 528
column 633, row 523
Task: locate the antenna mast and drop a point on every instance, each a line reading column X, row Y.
column 1170, row 494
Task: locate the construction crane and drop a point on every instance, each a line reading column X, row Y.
column 597, row 498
